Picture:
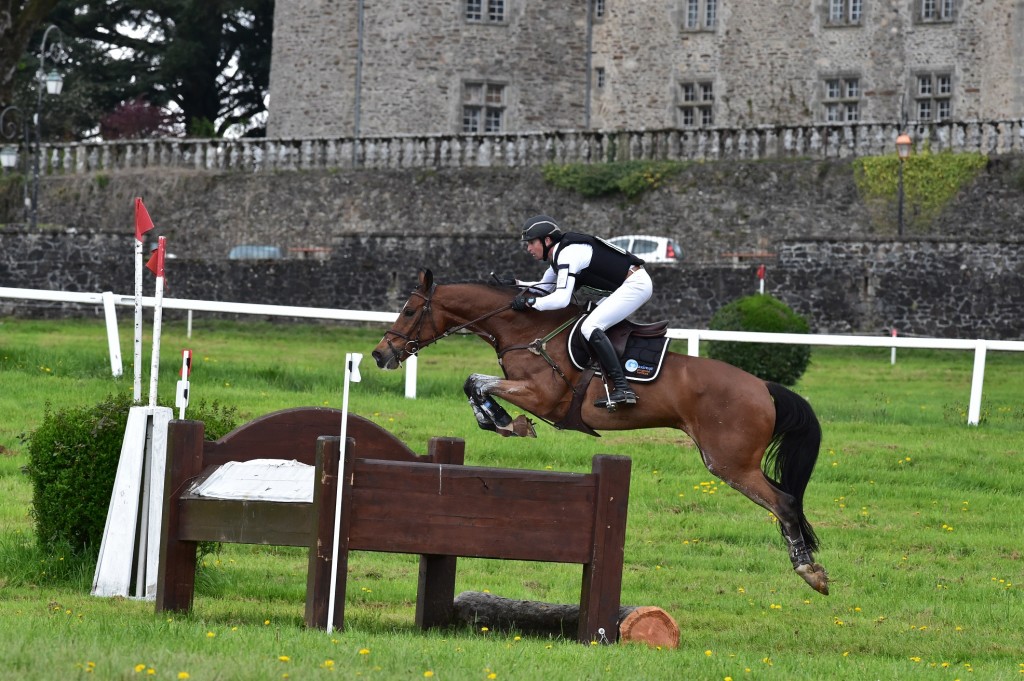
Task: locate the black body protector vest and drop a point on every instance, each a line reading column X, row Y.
column 609, row 265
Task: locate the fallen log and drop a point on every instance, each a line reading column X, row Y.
column 645, row 624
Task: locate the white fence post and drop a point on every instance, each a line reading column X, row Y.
column 974, row 408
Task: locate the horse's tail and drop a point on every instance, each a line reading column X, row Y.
column 793, row 450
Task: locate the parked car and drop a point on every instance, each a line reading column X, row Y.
column 255, row 252
column 653, row 249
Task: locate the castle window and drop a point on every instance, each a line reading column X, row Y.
column 599, row 9
column 933, row 97
column 845, row 12
column 933, row 11
column 701, row 15
column 696, row 108
column 489, row 11
column 483, row 107
column 600, row 76
column 841, row 99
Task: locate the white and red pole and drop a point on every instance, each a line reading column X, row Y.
column 181, row 396
column 143, row 223
column 892, row 358
column 760, row 277
column 158, row 268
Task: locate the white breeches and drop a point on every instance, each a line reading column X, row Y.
column 620, row 303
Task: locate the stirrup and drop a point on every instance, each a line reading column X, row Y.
column 617, row 397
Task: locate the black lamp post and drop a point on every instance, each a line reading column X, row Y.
column 53, row 83
column 903, row 143
column 9, row 129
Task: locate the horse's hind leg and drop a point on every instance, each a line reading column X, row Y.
column 755, row 485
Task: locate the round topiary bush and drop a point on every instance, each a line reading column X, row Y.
column 779, row 363
column 73, row 457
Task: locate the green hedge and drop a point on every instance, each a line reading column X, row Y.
column 73, row 457
column 779, row 363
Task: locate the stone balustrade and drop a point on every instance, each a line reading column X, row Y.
column 527, row 149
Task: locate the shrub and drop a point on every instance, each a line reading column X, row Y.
column 780, row 363
column 631, row 178
column 73, row 457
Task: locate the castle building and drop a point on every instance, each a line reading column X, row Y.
column 357, row 68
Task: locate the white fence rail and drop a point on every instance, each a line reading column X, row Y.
column 692, row 336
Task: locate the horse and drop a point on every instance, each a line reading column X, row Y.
column 743, row 426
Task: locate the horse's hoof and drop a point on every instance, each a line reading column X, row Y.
column 523, row 427
column 814, row 575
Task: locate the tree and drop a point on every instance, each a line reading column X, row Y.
column 205, row 62
column 19, row 22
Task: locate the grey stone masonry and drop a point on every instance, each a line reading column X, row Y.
column 358, row 68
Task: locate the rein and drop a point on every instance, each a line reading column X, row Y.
column 540, row 347
column 414, row 345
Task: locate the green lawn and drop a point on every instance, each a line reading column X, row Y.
column 917, row 513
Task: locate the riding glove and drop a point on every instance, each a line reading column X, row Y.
column 521, row 303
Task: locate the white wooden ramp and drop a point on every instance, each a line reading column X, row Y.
column 130, row 551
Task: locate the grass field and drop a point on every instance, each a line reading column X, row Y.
column 917, row 512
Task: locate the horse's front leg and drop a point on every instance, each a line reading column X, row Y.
column 490, row 415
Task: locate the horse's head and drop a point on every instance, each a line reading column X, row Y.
column 435, row 311
column 406, row 337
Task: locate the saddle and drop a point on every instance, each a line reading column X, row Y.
column 641, row 347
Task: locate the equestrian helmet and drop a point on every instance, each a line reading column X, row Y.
column 539, row 227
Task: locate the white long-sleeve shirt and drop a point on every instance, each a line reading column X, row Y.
column 561, row 284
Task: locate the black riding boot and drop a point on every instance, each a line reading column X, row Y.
column 621, row 393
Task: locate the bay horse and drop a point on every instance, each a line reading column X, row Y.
column 739, row 422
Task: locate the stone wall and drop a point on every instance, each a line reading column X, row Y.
column 930, row 287
column 827, row 254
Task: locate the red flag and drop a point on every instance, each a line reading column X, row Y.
column 153, row 264
column 143, row 223
column 760, row 272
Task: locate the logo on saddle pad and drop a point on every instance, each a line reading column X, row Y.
column 641, row 347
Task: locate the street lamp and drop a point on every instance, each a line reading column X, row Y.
column 53, row 83
column 903, row 143
column 9, row 152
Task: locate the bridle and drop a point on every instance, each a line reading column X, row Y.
column 413, row 340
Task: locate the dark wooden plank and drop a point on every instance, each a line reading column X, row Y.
column 245, row 521
column 375, row 504
column 474, row 481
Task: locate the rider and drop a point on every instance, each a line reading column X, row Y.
column 583, row 260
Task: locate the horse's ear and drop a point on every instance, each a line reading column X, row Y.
column 426, row 279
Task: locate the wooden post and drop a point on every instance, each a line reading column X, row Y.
column 436, row 589
column 602, row 575
column 176, row 576
column 318, row 576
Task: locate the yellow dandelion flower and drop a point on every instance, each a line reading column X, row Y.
column 709, row 653
column 492, row 675
column 139, row 668
column 484, row 629
column 210, row 634
column 364, row 651
column 428, row 674
column 183, row 675
column 284, row 658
